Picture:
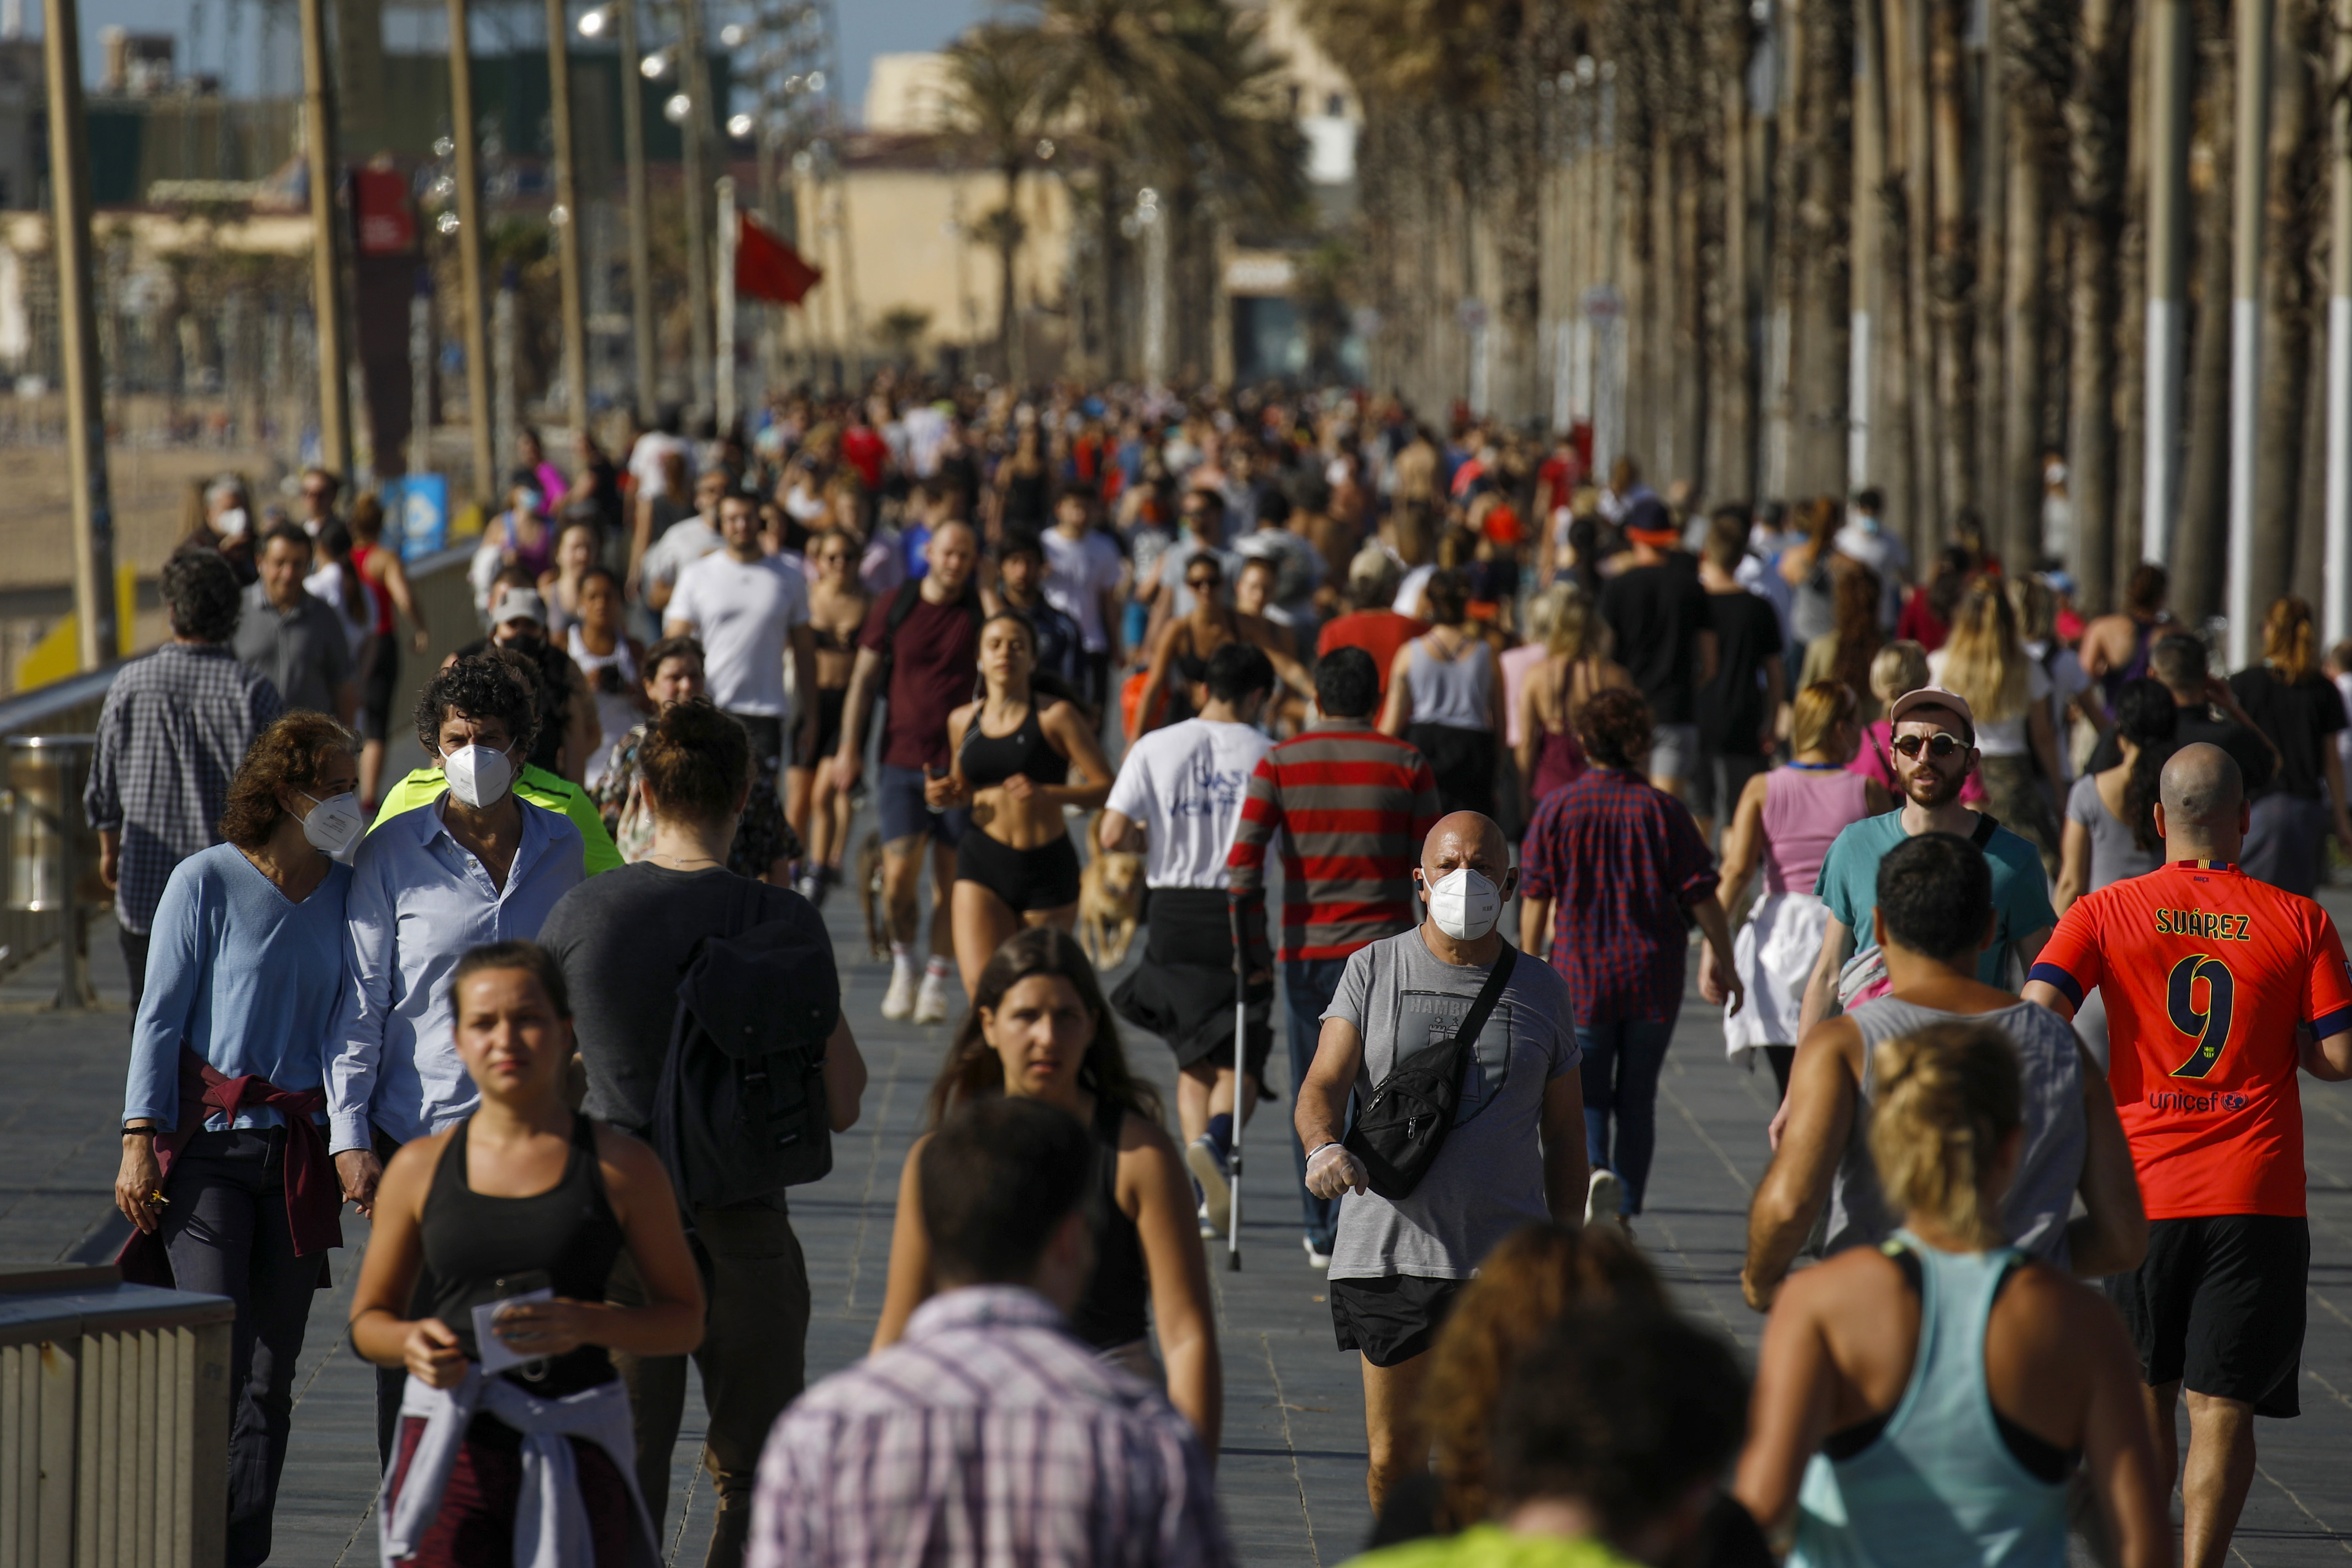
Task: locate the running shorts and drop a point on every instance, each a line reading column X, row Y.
column 1393, row 1319
column 2217, row 1305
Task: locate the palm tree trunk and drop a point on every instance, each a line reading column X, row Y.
column 2200, row 528
column 1953, row 274
column 2095, row 147
column 1733, row 453
column 1009, row 355
column 2018, row 479
column 2131, row 341
column 1996, row 139
column 2287, row 302
column 1908, row 73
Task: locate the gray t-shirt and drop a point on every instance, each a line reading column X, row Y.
column 2115, row 854
column 1487, row 1179
column 2042, row 1196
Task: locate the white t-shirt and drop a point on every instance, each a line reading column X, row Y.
column 1079, row 572
column 2068, row 680
column 744, row 612
column 646, row 459
column 1409, row 591
column 1883, row 554
column 2003, row 737
column 1183, row 785
column 688, row 540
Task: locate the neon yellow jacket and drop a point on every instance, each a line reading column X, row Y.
column 536, row 785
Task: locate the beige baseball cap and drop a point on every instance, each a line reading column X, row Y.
column 1933, row 697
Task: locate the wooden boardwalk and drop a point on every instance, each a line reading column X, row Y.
column 1291, row 1472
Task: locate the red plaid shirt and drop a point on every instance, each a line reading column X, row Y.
column 1622, row 860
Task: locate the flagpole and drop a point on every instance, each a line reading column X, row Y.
column 724, row 372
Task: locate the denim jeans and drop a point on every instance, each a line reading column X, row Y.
column 1307, row 986
column 227, row 1232
column 1622, row 1063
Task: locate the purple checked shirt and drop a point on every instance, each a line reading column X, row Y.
column 987, row 1437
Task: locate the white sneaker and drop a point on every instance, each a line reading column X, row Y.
column 899, row 1000
column 931, row 1001
column 1208, row 1232
column 1208, row 1168
column 1315, row 1259
column 1604, row 1199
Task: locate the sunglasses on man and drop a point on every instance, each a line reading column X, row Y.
column 1938, row 745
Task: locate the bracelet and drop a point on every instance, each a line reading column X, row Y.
column 147, row 1131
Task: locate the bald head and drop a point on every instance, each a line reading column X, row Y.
column 1465, row 839
column 2201, row 788
column 2201, row 810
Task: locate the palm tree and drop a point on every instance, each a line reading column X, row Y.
column 993, row 86
column 1130, row 76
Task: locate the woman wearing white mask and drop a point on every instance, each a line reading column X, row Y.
column 478, row 864
column 1609, row 868
column 224, row 1172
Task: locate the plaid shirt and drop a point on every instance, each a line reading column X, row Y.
column 987, row 1436
column 174, row 730
column 1622, row 861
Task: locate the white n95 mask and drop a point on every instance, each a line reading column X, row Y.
column 334, row 824
column 477, row 775
column 1465, row 904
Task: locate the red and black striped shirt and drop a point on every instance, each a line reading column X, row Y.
column 1353, row 805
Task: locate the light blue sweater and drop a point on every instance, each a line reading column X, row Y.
column 249, row 981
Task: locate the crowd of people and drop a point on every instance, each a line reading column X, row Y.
column 2015, row 907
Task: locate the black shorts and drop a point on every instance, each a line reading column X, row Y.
column 1045, row 878
column 2217, row 1305
column 1393, row 1319
column 767, row 732
column 379, row 679
column 830, row 701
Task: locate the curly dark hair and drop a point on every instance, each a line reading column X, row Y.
column 200, row 594
column 292, row 754
column 972, row 1067
column 1615, row 726
column 486, row 686
column 2147, row 716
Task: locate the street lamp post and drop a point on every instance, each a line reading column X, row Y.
column 469, row 253
column 567, row 220
column 93, row 510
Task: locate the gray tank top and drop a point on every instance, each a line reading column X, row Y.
column 1456, row 692
column 2041, row 1198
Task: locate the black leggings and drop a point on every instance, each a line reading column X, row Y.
column 1045, row 878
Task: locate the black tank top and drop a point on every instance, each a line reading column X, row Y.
column 472, row 1241
column 992, row 758
column 1111, row 1313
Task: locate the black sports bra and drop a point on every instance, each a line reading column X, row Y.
column 987, row 760
column 831, row 641
column 2042, row 1459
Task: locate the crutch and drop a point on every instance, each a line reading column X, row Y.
column 1241, row 1088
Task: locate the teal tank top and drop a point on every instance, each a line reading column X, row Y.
column 1939, row 1488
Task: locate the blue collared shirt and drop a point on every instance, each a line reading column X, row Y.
column 418, row 900
column 246, row 978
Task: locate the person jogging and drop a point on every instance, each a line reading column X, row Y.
column 1926, row 1401
column 2209, row 975
column 1178, row 795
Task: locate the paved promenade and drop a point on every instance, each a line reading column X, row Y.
column 1292, row 1466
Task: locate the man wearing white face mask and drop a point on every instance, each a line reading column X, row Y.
column 1514, row 1152
column 479, row 865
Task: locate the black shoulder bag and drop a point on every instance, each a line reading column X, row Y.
column 1397, row 1135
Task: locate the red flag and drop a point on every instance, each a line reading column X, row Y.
column 768, row 268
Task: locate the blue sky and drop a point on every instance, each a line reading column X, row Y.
column 866, row 28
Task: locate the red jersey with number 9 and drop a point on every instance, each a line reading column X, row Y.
column 2206, row 973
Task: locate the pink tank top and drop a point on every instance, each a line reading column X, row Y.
column 1804, row 809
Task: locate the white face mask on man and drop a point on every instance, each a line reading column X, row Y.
column 1464, row 904
column 477, row 775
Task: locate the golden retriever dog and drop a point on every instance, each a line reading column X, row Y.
column 1110, row 903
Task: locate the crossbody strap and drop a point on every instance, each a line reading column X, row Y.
column 1475, row 1020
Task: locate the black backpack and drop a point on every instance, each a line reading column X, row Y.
column 741, row 1110
column 1397, row 1135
